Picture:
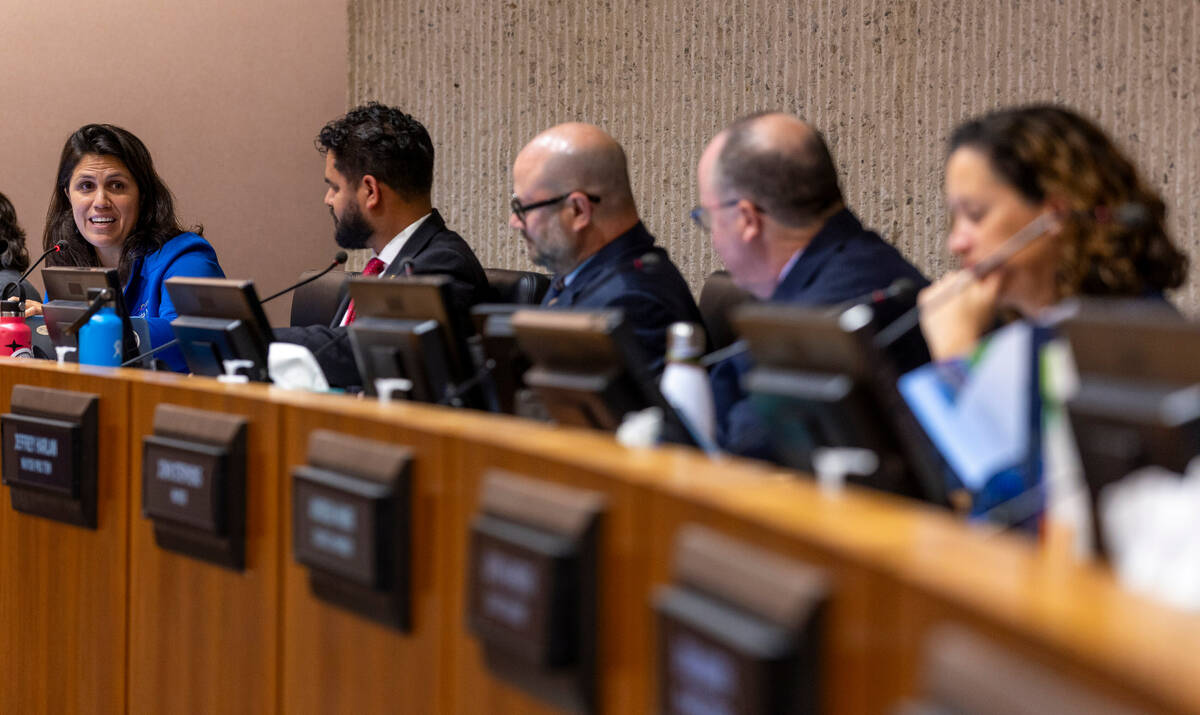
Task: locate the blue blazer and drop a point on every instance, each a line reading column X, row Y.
column 636, row 276
column 146, row 297
column 843, row 262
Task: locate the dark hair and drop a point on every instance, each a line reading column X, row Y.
column 384, row 142
column 795, row 184
column 156, row 223
column 1045, row 151
column 13, row 255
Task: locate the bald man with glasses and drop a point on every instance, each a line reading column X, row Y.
column 573, row 205
column 770, row 200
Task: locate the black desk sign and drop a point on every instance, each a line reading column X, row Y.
column 50, row 453
column 531, row 596
column 194, row 484
column 739, row 631
column 350, row 524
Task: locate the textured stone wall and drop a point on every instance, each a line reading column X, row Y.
column 885, row 81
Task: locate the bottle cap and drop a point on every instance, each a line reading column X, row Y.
column 685, row 341
column 11, row 308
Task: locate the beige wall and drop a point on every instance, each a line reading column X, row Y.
column 886, row 81
column 227, row 94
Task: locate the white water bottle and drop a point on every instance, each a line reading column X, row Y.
column 685, row 382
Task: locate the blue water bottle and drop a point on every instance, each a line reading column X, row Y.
column 100, row 339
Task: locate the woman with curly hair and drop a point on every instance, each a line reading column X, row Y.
column 1085, row 225
column 1007, row 168
column 14, row 258
column 113, row 210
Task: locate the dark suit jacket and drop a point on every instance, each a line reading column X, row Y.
column 432, row 249
column 843, row 262
column 633, row 274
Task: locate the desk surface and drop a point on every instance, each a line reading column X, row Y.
column 1072, row 617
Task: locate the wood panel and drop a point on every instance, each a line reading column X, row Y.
column 63, row 590
column 1068, row 618
column 204, row 638
column 104, row 621
column 335, row 661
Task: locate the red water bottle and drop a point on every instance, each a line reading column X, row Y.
column 16, row 339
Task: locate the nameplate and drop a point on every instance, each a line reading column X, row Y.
column 194, row 483
column 351, row 524
column 335, row 520
column 50, row 453
column 532, row 587
column 716, row 656
column 41, row 453
column 183, row 481
column 520, row 591
column 739, row 630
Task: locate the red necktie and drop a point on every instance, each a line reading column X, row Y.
column 373, row 268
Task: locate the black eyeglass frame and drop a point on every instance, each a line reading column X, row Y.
column 520, row 210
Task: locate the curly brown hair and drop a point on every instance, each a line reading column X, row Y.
column 1113, row 237
column 13, row 255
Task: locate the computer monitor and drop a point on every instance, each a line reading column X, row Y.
column 586, row 369
column 220, row 319
column 1138, row 402
column 69, row 292
column 494, row 346
column 404, row 328
column 819, row 381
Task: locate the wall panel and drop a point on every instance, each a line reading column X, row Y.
column 885, row 80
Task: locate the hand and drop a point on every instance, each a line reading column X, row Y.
column 32, row 308
column 956, row 311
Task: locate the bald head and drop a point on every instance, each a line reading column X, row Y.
column 578, row 157
column 779, row 162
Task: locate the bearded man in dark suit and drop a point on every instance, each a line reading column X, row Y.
column 379, row 174
column 573, row 205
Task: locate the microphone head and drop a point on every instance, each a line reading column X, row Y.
column 647, row 261
column 902, row 286
column 341, row 257
column 1133, row 216
column 59, row 245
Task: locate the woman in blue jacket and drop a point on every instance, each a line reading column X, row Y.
column 113, row 210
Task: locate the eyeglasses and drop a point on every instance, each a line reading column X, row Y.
column 519, row 209
column 702, row 215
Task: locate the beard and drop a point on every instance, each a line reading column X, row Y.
column 351, row 231
column 555, row 251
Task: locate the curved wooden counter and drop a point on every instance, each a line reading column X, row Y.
column 106, row 621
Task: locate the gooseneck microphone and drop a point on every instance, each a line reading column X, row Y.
column 1131, row 216
column 338, row 259
column 151, row 353
column 899, row 288
column 97, row 302
column 56, row 248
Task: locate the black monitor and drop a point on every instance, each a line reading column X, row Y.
column 1138, row 402
column 494, row 346
column 819, row 381
column 69, row 292
column 586, row 370
column 220, row 319
column 403, row 328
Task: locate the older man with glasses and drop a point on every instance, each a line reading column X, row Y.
column 573, row 205
column 769, row 195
